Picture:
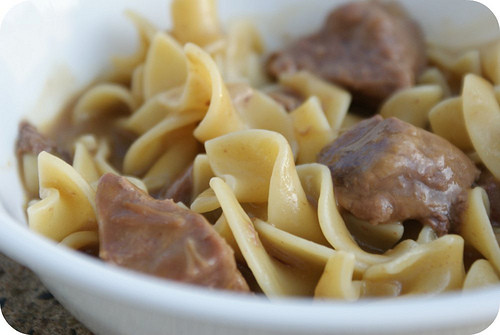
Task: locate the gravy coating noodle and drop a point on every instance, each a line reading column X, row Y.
column 207, row 159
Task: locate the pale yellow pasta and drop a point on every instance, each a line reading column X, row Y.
column 161, row 75
column 101, row 99
column 83, row 162
column 476, row 228
column 176, row 159
column 413, row 104
column 258, row 165
column 433, row 76
column 273, row 277
column 312, row 130
column 426, row 235
column 482, row 120
column 480, row 274
column 202, row 173
column 318, row 184
column 447, row 120
column 195, row 21
column 432, row 267
column 67, row 200
column 259, row 111
column 123, row 67
column 490, row 62
column 456, row 66
column 137, row 84
column 81, row 239
column 148, row 148
column 241, row 60
column 376, row 237
column 334, row 100
column 336, row 281
column 30, row 174
column 297, row 251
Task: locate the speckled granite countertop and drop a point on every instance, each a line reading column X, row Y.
column 29, row 307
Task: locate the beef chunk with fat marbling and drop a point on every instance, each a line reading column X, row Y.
column 492, row 187
column 388, row 170
column 161, row 238
column 370, row 48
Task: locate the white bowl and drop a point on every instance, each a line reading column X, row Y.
column 51, row 48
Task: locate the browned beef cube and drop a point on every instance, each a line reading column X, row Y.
column 159, row 237
column 370, row 48
column 388, row 170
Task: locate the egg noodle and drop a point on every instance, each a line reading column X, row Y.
column 198, row 94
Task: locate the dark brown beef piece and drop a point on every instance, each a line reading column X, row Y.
column 492, row 187
column 388, row 170
column 370, row 48
column 160, row 238
column 31, row 141
column 182, row 188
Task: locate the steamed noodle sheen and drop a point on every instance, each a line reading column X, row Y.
column 196, row 96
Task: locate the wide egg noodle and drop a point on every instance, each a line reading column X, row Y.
column 148, row 148
column 274, row 278
column 193, row 94
column 176, row 159
column 81, row 239
column 137, row 84
column 447, row 120
column 490, row 62
column 312, row 130
column 480, row 274
column 428, row 268
column 334, row 100
column 67, row 200
column 240, row 58
column 318, row 184
column 91, row 161
column 476, row 228
column 379, row 238
column 482, row 120
column 455, row 66
column 202, row 173
column 336, row 281
column 259, row 111
column 413, row 104
column 161, row 75
column 296, row 251
column 434, row 76
column 124, row 66
column 195, row 21
column 259, row 167
column 101, row 99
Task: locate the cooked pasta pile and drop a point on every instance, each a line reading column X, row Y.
column 199, row 96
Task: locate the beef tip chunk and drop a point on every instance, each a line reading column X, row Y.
column 160, row 238
column 389, row 170
column 182, row 188
column 31, row 141
column 492, row 187
column 370, row 48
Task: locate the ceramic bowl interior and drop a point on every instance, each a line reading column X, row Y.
column 50, row 49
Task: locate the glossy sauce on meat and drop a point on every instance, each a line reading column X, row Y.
column 159, row 237
column 370, row 48
column 388, row 170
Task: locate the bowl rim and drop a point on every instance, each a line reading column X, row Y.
column 46, row 258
